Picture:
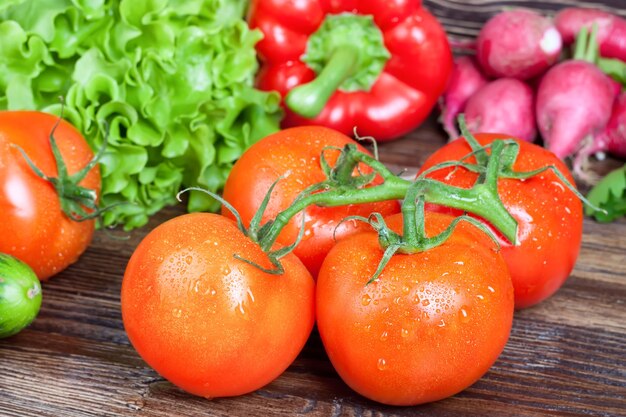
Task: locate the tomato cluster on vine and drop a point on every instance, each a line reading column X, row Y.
column 413, row 302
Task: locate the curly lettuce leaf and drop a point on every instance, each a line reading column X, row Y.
column 169, row 81
column 610, row 195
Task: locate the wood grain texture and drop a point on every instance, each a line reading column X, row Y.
column 565, row 357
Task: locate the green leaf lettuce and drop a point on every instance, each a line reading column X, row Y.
column 171, row 81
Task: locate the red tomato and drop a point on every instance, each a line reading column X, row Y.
column 295, row 153
column 430, row 326
column 34, row 228
column 209, row 323
column 550, row 217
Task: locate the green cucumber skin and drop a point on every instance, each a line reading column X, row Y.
column 20, row 295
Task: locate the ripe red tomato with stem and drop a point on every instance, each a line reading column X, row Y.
column 428, row 327
column 34, row 226
column 549, row 215
column 208, row 322
column 294, row 155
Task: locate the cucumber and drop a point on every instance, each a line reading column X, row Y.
column 20, row 295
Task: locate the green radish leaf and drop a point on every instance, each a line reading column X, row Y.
column 609, row 194
column 614, row 68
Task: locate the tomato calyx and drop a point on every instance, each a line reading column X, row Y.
column 256, row 231
column 78, row 203
column 413, row 238
column 506, row 152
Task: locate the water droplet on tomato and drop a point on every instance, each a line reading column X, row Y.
column 405, row 289
column 382, row 364
column 464, row 314
column 491, row 289
column 366, row 299
column 242, row 311
column 416, row 299
column 188, row 259
column 442, row 323
column 177, row 312
column 384, row 336
column 404, row 332
column 425, row 303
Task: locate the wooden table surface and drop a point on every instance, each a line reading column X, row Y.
column 566, row 356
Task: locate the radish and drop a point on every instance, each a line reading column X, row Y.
column 465, row 80
column 613, row 137
column 574, row 100
column 519, row 44
column 505, row 105
column 611, row 29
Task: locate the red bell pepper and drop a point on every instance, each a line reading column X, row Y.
column 377, row 66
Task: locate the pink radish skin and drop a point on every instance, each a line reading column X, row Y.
column 611, row 29
column 503, row 106
column 612, row 138
column 519, row 44
column 465, row 80
column 574, row 102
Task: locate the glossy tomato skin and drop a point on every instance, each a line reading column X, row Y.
column 432, row 324
column 295, row 153
column 34, row 228
column 209, row 323
column 550, row 217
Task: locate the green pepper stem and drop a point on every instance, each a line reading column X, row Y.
column 309, row 99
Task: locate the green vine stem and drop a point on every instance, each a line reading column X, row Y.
column 339, row 189
column 347, row 184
